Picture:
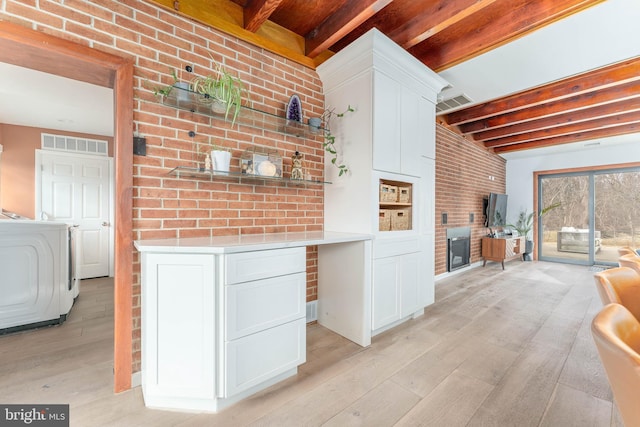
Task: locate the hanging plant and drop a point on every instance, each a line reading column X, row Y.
column 329, row 143
column 224, row 88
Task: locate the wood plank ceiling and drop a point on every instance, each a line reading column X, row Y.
column 597, row 104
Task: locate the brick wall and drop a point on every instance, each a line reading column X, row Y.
column 463, row 169
column 165, row 206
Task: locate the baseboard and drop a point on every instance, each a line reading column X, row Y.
column 458, row 271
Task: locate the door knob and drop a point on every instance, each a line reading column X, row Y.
column 106, row 224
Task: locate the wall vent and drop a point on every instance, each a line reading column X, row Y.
column 312, row 311
column 74, row 144
column 451, row 103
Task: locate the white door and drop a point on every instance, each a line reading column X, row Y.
column 74, row 188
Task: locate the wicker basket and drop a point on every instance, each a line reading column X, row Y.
column 404, row 194
column 388, row 193
column 400, row 219
column 384, row 220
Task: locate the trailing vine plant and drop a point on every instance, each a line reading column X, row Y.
column 329, row 143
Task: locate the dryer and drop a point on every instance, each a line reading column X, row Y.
column 36, row 286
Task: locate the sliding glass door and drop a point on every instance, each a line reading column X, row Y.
column 599, row 212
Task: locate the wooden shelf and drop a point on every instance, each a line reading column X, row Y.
column 185, row 99
column 189, row 172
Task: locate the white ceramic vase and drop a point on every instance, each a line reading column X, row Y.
column 221, row 160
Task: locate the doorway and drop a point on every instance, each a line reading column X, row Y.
column 598, row 214
column 32, row 49
column 76, row 189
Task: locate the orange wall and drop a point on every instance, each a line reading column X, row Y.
column 18, row 160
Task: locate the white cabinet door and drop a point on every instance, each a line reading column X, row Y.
column 386, row 124
column 178, row 328
column 386, row 292
column 427, row 123
column 259, row 357
column 254, row 306
column 413, row 142
column 409, row 276
column 255, row 265
column 397, row 291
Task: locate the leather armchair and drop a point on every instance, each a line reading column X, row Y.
column 626, row 250
column 616, row 333
column 620, row 285
column 631, row 261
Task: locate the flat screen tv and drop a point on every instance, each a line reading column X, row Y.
column 496, row 210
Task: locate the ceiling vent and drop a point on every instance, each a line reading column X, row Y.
column 451, row 103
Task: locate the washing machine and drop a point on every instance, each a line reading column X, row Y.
column 37, row 285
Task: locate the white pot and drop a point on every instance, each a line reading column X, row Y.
column 221, row 160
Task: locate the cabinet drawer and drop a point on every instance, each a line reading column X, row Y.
column 383, row 248
column 259, row 357
column 254, row 306
column 247, row 266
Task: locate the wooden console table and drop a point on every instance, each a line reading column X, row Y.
column 501, row 249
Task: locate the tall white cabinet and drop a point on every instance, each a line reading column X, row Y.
column 388, row 139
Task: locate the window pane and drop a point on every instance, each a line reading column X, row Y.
column 617, row 213
column 565, row 229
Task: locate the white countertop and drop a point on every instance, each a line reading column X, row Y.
column 247, row 242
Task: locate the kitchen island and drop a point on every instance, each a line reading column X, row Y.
column 224, row 317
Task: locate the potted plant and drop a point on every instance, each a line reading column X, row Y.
column 177, row 83
column 329, row 143
column 222, row 90
column 524, row 226
column 220, row 158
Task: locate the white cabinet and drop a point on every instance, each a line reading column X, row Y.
column 403, row 127
column 386, row 123
column 395, row 289
column 265, row 325
column 178, row 328
column 386, row 292
column 390, row 137
column 216, row 328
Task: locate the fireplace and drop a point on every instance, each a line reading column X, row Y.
column 458, row 248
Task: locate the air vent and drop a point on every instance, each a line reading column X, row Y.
column 73, row 144
column 312, row 311
column 451, row 103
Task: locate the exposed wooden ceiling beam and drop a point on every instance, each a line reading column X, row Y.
column 601, row 111
column 437, row 19
column 575, row 103
column 576, row 137
column 258, row 12
column 573, row 128
column 499, row 23
column 615, row 74
column 340, row 24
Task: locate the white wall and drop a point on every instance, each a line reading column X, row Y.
column 520, row 170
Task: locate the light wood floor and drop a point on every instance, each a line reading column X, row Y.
column 499, row 348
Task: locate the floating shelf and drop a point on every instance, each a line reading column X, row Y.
column 189, row 172
column 185, row 99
